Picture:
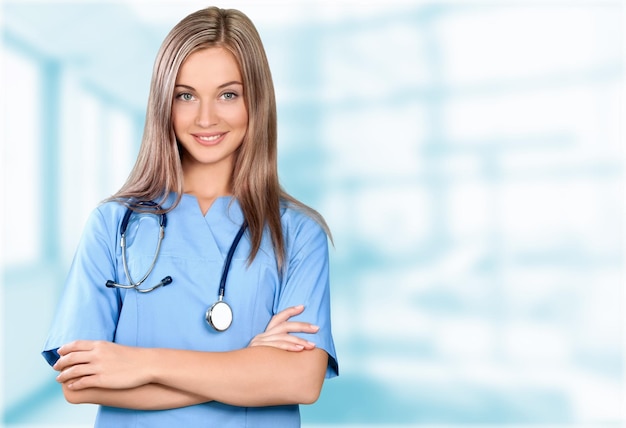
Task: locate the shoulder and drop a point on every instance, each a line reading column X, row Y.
column 106, row 216
column 300, row 227
column 101, row 227
column 109, row 211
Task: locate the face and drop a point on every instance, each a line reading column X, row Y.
column 208, row 110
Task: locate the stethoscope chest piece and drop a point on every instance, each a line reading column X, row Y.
column 219, row 315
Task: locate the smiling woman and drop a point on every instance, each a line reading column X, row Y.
column 502, row 290
column 134, row 351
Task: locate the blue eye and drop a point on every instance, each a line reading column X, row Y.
column 185, row 96
column 229, row 95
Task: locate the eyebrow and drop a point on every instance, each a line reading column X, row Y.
column 223, row 85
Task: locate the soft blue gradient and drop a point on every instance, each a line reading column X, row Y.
column 467, row 156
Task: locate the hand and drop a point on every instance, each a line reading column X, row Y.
column 277, row 335
column 100, row 364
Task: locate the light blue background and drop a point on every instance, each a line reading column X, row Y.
column 468, row 157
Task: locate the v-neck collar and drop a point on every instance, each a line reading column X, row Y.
column 223, row 219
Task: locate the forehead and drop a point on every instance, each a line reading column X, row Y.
column 210, row 65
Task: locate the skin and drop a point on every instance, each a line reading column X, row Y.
column 209, row 118
column 275, row 368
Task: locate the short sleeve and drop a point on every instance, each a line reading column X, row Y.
column 306, row 281
column 87, row 308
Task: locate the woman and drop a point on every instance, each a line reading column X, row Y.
column 140, row 345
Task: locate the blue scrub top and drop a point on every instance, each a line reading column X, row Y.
column 192, row 253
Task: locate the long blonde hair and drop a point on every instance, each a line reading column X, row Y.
column 255, row 184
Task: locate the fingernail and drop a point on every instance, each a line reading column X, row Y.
column 315, row 327
column 310, row 343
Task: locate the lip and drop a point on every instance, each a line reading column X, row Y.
column 209, row 139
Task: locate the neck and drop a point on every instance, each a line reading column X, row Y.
column 206, row 183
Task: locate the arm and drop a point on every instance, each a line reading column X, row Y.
column 153, row 396
column 146, row 397
column 255, row 376
column 259, row 376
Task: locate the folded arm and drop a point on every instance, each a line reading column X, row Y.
column 146, row 397
column 277, row 368
column 258, row 376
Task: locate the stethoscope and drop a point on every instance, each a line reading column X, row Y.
column 219, row 315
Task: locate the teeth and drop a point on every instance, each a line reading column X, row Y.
column 211, row 138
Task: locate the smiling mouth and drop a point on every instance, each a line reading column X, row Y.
column 209, row 139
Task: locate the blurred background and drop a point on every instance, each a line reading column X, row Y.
column 467, row 156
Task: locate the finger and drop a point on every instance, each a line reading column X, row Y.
column 273, row 340
column 75, row 372
column 77, row 345
column 284, row 331
column 66, row 376
column 284, row 315
column 73, row 358
column 84, row 382
column 70, row 359
column 293, row 327
column 284, row 345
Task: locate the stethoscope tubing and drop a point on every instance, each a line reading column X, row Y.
column 123, row 226
column 132, row 284
column 229, row 259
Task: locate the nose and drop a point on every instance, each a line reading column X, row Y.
column 206, row 116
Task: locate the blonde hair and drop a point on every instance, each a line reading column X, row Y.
column 255, row 183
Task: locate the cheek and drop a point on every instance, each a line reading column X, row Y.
column 236, row 119
column 181, row 115
column 243, row 119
